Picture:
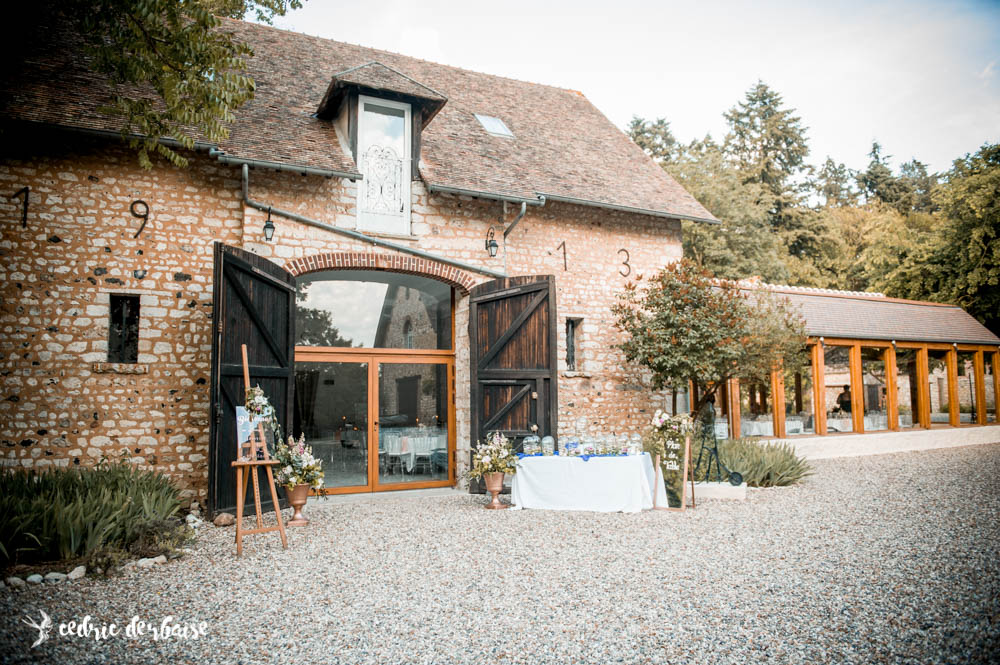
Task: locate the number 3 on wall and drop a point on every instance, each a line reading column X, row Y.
column 626, row 269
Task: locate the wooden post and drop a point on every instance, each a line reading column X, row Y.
column 995, row 366
column 819, row 388
column 734, row 412
column 923, row 387
column 857, row 386
column 778, row 402
column 684, row 476
column 656, row 481
column 952, row 363
column 891, row 392
column 979, row 367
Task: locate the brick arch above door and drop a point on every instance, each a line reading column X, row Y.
column 410, row 265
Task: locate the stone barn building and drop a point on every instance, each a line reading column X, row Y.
column 414, row 254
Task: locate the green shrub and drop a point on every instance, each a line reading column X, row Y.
column 59, row 514
column 761, row 463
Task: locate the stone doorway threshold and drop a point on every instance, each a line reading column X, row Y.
column 373, row 497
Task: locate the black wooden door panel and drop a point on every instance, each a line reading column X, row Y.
column 512, row 334
column 253, row 304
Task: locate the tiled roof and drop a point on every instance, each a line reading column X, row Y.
column 873, row 316
column 564, row 148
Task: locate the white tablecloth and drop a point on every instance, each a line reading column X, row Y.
column 601, row 484
column 756, row 428
column 408, row 448
column 873, row 423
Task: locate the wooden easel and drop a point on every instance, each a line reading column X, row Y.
column 247, row 468
column 684, row 483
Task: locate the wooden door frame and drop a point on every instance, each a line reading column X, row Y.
column 374, row 358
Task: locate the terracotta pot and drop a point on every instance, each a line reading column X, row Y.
column 494, row 485
column 297, row 497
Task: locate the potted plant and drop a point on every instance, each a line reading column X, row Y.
column 490, row 461
column 299, row 472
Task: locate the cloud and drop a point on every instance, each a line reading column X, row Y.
column 989, row 72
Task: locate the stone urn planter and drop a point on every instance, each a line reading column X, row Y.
column 297, row 497
column 494, row 485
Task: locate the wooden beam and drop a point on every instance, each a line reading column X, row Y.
column 891, row 392
column 952, row 363
column 857, row 386
column 734, row 412
column 778, row 402
column 978, row 366
column 819, row 389
column 995, row 367
column 923, row 388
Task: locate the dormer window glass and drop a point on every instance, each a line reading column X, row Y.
column 494, row 126
column 384, row 142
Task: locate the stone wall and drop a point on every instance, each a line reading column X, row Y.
column 63, row 404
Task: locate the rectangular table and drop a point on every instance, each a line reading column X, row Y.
column 600, row 484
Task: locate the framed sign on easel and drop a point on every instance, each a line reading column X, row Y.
column 675, row 450
column 251, row 455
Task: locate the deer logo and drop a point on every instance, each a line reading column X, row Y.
column 43, row 628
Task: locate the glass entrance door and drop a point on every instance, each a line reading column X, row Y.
column 332, row 410
column 378, row 421
column 414, row 423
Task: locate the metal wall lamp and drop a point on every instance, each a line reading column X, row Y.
column 268, row 227
column 491, row 243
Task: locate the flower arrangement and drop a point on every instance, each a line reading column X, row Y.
column 667, row 432
column 260, row 410
column 297, row 466
column 495, row 456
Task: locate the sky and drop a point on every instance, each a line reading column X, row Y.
column 922, row 78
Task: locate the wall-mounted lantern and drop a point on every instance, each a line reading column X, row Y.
column 268, row 227
column 491, row 244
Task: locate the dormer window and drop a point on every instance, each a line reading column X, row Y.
column 379, row 113
column 494, row 126
column 384, row 160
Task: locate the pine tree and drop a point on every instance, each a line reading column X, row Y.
column 767, row 142
column 654, row 137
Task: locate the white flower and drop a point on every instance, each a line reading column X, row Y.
column 486, row 459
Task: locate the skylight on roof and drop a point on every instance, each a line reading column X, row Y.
column 494, row 126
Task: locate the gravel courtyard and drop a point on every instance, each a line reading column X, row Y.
column 887, row 559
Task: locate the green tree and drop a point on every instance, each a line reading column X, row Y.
column 685, row 324
column 878, row 183
column 744, row 244
column 654, row 137
column 921, row 184
column 173, row 72
column 767, row 141
column 960, row 263
column 834, row 183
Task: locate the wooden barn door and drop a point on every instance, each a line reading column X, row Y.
column 512, row 335
column 253, row 304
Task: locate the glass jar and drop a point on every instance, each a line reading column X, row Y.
column 530, row 445
column 548, row 445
